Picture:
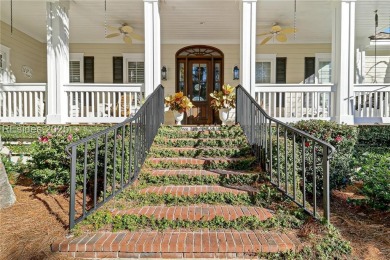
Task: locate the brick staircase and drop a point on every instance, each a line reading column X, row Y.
column 192, row 181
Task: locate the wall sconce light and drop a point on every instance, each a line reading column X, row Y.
column 236, row 73
column 164, row 73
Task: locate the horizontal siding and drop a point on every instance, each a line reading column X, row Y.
column 295, row 54
column 24, row 50
column 103, row 54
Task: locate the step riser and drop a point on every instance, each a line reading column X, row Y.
column 196, row 213
column 206, row 244
column 193, row 153
column 202, row 143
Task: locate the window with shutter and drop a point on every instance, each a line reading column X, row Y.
column 136, row 72
column 263, row 72
column 324, row 72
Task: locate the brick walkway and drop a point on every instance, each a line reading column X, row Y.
column 178, row 244
column 204, row 212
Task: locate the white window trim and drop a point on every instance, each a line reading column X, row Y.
column 5, row 72
column 78, row 57
column 268, row 58
column 131, row 57
column 321, row 57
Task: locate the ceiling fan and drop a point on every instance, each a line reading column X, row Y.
column 277, row 32
column 127, row 32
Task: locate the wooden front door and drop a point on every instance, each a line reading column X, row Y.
column 198, row 90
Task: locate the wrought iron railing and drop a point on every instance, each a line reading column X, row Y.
column 296, row 162
column 103, row 164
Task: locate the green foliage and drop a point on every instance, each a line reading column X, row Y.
column 49, row 162
column 241, row 164
column 133, row 197
column 343, row 138
column 222, row 132
column 161, row 152
column 332, row 245
column 374, row 135
column 180, row 179
column 236, row 142
column 31, row 132
column 137, row 222
column 327, row 246
column 375, row 174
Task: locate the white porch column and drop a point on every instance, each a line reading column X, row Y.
column 152, row 46
column 248, row 45
column 57, row 59
column 343, row 42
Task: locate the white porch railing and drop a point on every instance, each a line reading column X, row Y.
column 372, row 103
column 102, row 103
column 22, row 102
column 294, row 102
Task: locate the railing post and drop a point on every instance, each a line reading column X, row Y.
column 72, row 200
column 326, row 189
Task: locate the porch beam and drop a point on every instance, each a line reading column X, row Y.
column 343, row 43
column 248, row 45
column 57, row 20
column 152, row 46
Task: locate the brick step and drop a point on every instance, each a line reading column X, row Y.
column 201, row 142
column 178, row 244
column 200, row 212
column 199, row 163
column 199, row 132
column 163, row 151
column 184, row 172
column 187, row 190
column 215, row 172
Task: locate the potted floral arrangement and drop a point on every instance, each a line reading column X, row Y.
column 178, row 103
column 223, row 101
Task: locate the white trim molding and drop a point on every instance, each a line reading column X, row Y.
column 268, row 58
column 6, row 75
column 318, row 58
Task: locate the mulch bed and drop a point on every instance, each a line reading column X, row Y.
column 368, row 230
column 37, row 219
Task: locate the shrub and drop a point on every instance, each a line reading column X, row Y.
column 343, row 138
column 374, row 135
column 375, row 174
column 49, row 162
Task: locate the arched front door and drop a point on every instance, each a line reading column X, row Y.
column 198, row 73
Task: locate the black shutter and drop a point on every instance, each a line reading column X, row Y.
column 117, row 69
column 281, row 64
column 89, row 70
column 310, row 63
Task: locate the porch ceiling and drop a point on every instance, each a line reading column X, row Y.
column 195, row 22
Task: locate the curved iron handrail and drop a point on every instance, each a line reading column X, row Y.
column 94, row 156
column 258, row 127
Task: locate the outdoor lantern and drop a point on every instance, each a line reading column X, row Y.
column 236, row 73
column 164, row 73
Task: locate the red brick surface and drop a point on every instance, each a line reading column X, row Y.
column 189, row 190
column 202, row 243
column 200, row 212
